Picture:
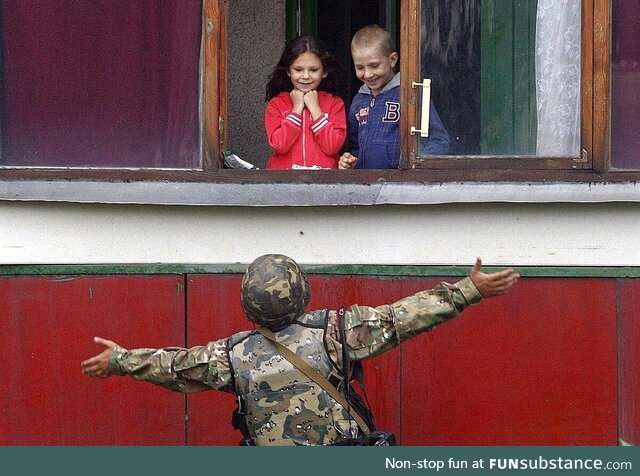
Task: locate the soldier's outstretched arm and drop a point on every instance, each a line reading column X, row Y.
column 182, row 370
column 372, row 331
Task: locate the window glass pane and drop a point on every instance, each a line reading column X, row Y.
column 505, row 76
column 625, row 113
column 100, row 83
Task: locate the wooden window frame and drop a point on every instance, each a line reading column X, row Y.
column 593, row 166
column 214, row 111
column 214, row 82
column 594, row 162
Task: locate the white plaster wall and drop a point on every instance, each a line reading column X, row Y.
column 502, row 234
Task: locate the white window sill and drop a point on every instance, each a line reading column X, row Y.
column 295, row 194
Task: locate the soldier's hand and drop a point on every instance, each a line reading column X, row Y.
column 492, row 284
column 98, row 366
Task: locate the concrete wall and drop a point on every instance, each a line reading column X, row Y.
column 450, row 234
column 255, row 44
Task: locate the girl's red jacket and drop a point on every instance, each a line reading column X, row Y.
column 299, row 142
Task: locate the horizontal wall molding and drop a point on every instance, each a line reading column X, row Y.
column 363, row 270
column 545, row 235
column 315, row 194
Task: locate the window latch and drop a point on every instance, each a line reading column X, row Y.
column 425, row 107
column 581, row 161
column 221, row 129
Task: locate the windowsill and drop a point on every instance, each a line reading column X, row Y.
column 315, row 194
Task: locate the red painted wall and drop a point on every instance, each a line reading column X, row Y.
column 536, row 367
column 48, row 324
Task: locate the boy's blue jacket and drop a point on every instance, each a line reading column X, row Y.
column 373, row 126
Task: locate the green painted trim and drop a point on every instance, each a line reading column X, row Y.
column 525, row 271
column 308, row 16
column 99, row 269
column 291, row 27
column 342, row 269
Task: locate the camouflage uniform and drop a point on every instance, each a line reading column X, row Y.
column 285, row 407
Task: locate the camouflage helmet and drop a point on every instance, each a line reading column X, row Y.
column 275, row 291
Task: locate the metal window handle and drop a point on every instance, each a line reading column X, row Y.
column 426, row 103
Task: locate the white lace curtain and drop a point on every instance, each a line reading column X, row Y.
column 558, row 28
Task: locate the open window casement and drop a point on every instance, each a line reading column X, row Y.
column 513, row 83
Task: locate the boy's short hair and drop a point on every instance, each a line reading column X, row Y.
column 373, row 35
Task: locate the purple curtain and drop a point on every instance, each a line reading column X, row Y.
column 100, row 83
column 625, row 108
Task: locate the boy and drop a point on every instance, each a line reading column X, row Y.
column 374, row 114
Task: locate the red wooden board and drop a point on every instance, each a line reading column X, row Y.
column 48, row 324
column 629, row 365
column 535, row 367
column 215, row 312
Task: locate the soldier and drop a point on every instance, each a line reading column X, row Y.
column 286, row 372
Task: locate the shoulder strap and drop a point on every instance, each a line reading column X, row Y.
column 351, row 370
column 314, row 375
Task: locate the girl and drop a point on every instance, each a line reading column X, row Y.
column 305, row 121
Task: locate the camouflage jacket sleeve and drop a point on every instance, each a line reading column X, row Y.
column 182, row 370
column 370, row 331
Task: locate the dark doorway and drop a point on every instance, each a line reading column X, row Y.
column 339, row 20
column 335, row 22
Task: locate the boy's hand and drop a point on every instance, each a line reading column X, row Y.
column 98, row 366
column 297, row 97
column 493, row 284
column 347, row 161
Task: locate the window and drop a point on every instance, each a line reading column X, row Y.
column 101, row 84
column 155, row 89
column 625, row 117
column 521, row 86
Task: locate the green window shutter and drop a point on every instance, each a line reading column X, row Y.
column 507, row 76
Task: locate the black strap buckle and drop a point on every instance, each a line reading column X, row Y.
column 336, row 380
